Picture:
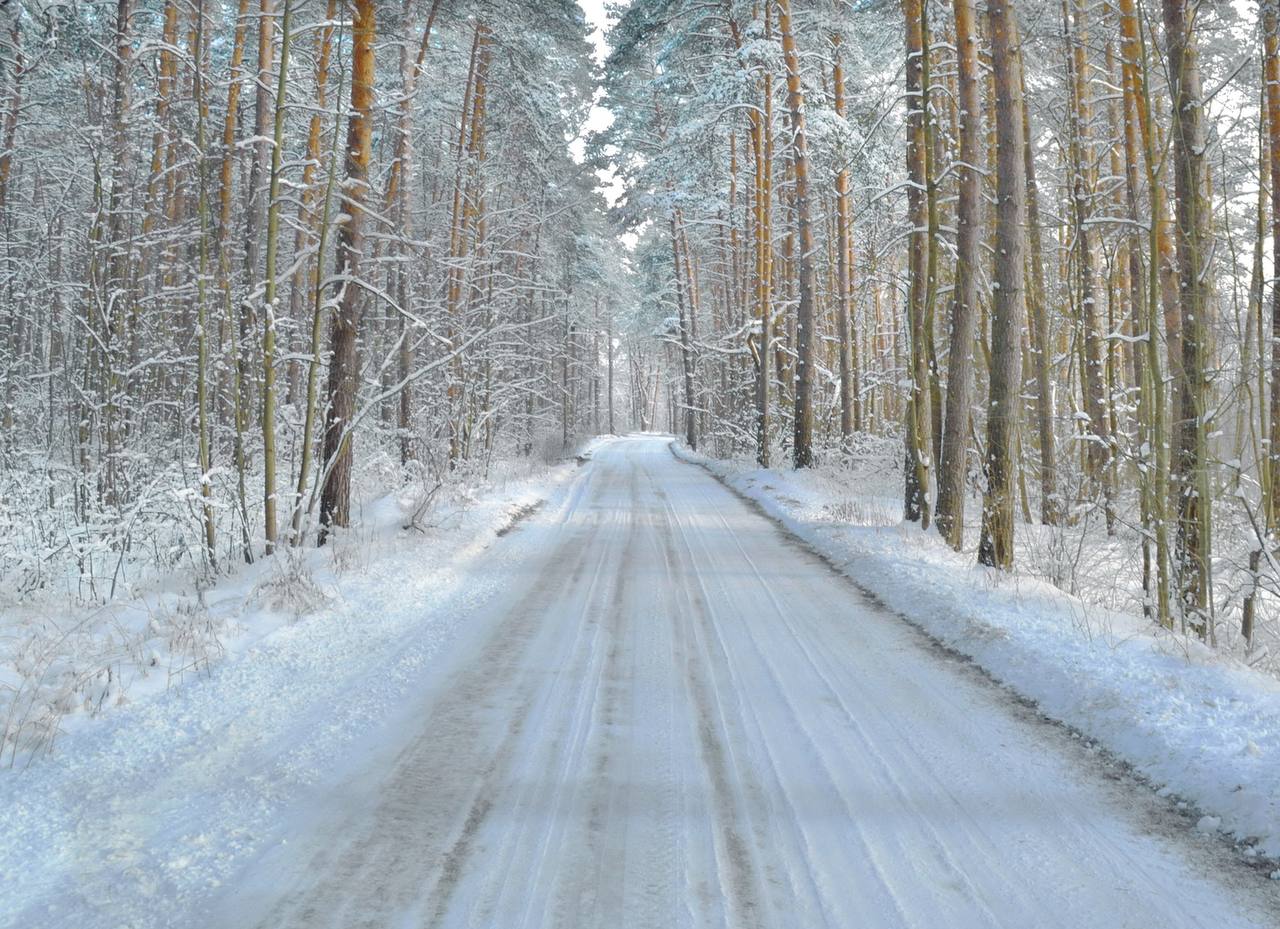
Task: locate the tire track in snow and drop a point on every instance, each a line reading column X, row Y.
column 738, row 872
column 790, row 819
column 677, row 718
column 799, row 721
column 416, row 828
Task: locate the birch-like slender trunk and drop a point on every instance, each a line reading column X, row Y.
column 1271, row 473
column 1160, row 296
column 1038, row 318
column 269, row 306
column 850, row 389
column 203, row 438
column 918, row 417
column 1098, row 454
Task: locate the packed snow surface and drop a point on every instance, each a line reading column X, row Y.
column 645, row 707
column 1193, row 721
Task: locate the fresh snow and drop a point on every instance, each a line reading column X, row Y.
column 139, row 814
column 1192, row 721
column 644, row 706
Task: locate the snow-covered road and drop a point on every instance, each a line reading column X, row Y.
column 673, row 716
column 644, row 707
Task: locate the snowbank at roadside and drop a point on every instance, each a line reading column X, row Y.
column 143, row 811
column 62, row 665
column 1197, row 724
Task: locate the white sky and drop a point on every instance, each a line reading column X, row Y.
column 599, row 117
column 596, row 17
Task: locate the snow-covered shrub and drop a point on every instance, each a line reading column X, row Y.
column 289, row 588
column 189, row 636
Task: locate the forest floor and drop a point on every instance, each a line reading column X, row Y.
column 647, row 705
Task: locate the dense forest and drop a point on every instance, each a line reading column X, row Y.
column 262, row 260
column 1031, row 240
column 247, row 244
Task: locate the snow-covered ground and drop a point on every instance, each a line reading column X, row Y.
column 63, row 663
column 1197, row 724
column 645, row 706
column 140, row 810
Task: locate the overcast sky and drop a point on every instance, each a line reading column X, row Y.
column 599, row 118
column 595, row 16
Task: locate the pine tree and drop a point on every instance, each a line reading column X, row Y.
column 344, row 362
column 996, row 546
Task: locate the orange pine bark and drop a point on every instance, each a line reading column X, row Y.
column 344, row 366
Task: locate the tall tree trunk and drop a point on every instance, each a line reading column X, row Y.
column 246, row 310
column 1147, row 389
column 255, row 208
column 996, row 546
column 344, row 363
column 117, row 297
column 225, row 194
column 1098, row 433
column 1254, row 339
column 762, row 140
column 1195, row 250
column 311, row 411
column 802, row 450
column 269, row 306
column 303, row 283
column 1038, row 315
column 686, row 348
column 460, row 221
column 1161, row 293
column 166, row 79
column 918, row 418
column 850, row 393
column 1271, row 472
column 951, row 467
column 203, row 438
column 12, row 112
column 609, row 348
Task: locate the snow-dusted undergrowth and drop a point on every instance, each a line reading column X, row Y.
column 1195, row 722
column 150, row 807
column 63, row 661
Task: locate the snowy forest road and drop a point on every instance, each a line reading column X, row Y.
column 674, row 716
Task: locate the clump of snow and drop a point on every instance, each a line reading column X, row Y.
column 1195, row 722
column 289, row 588
column 1209, row 824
